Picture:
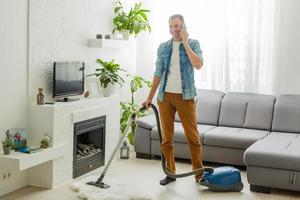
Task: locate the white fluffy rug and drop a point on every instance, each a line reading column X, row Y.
column 120, row 189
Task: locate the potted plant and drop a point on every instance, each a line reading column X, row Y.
column 7, row 143
column 131, row 23
column 109, row 76
column 128, row 108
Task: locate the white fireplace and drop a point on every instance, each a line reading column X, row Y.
column 58, row 121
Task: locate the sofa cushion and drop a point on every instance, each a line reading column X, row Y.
column 208, row 111
column 231, row 137
column 248, row 110
column 232, row 112
column 208, row 104
column 259, row 115
column 179, row 135
column 277, row 150
column 147, row 122
column 287, row 114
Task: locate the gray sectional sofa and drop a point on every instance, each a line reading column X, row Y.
column 259, row 131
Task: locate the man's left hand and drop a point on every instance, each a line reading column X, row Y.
column 184, row 37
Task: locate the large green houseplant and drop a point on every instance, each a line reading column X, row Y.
column 108, row 74
column 128, row 108
column 132, row 22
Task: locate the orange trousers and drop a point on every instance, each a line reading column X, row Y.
column 186, row 110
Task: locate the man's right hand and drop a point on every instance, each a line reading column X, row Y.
column 155, row 83
column 147, row 103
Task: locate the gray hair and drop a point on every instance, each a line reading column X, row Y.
column 179, row 16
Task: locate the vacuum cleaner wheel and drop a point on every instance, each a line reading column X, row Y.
column 238, row 187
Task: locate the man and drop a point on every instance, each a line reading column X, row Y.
column 175, row 64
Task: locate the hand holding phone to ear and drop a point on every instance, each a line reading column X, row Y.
column 183, row 34
column 183, row 27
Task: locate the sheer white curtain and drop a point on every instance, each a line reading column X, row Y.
column 236, row 36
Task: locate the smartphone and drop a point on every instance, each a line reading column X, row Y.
column 183, row 27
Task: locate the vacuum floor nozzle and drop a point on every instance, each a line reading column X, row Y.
column 98, row 184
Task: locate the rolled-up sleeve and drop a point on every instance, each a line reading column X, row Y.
column 159, row 62
column 197, row 49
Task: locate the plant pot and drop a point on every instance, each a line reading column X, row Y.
column 6, row 150
column 126, row 35
column 117, row 35
column 109, row 90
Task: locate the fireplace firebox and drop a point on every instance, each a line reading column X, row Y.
column 89, row 145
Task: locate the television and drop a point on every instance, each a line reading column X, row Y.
column 68, row 80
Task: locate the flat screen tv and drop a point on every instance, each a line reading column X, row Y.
column 68, row 79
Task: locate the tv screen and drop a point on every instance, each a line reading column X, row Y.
column 68, row 79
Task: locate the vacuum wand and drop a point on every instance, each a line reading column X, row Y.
column 99, row 182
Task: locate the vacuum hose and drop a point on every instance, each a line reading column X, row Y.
column 163, row 161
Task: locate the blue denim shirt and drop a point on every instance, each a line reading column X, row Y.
column 164, row 53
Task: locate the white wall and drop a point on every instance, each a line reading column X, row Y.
column 146, row 51
column 286, row 78
column 59, row 31
column 13, row 76
column 13, row 65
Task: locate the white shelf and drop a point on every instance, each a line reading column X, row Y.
column 20, row 161
column 109, row 43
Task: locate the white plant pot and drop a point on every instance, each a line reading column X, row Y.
column 109, row 90
column 126, row 35
column 117, row 35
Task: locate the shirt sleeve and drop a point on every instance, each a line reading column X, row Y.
column 159, row 62
column 197, row 49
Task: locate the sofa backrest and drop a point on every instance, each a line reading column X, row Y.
column 287, row 114
column 208, row 104
column 247, row 110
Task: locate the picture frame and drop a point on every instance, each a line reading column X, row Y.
column 94, row 87
column 19, row 137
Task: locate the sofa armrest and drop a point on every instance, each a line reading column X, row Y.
column 147, row 122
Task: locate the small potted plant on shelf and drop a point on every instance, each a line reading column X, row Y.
column 7, row 143
column 109, row 76
column 131, row 23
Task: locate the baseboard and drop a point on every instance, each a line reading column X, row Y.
column 260, row 189
column 143, row 156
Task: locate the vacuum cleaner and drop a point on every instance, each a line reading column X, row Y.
column 216, row 179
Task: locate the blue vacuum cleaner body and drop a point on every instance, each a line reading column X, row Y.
column 223, row 179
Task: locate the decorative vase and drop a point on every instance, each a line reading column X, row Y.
column 6, row 150
column 109, row 90
column 40, row 97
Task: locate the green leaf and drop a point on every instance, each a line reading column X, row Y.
column 144, row 10
column 143, row 15
column 131, row 138
column 117, row 9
